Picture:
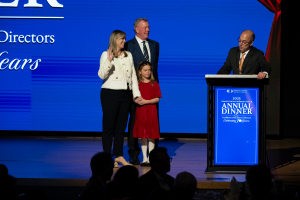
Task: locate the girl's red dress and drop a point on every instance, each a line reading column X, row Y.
column 146, row 119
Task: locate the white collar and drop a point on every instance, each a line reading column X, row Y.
column 139, row 39
column 246, row 52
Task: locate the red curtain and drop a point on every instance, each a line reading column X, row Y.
column 274, row 43
column 273, row 56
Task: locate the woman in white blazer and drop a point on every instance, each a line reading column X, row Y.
column 119, row 85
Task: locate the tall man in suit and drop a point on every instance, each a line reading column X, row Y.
column 141, row 49
column 246, row 59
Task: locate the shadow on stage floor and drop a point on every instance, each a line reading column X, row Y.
column 61, row 164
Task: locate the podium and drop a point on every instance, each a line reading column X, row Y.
column 236, row 122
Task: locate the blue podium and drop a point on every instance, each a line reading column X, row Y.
column 236, row 122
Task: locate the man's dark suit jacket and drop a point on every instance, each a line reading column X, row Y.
column 133, row 47
column 149, row 182
column 254, row 62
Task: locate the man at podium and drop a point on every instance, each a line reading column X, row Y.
column 246, row 59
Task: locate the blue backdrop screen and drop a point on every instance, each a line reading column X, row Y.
column 50, row 52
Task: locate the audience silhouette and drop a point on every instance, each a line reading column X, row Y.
column 258, row 186
column 115, row 190
column 160, row 194
column 185, row 186
column 128, row 176
column 154, row 185
column 259, row 179
column 7, row 185
column 102, row 166
column 157, row 177
column 3, row 169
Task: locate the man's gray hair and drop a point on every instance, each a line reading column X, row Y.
column 137, row 21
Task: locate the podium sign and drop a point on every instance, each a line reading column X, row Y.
column 236, row 121
column 236, row 126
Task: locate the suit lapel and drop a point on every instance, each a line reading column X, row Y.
column 138, row 49
column 237, row 59
column 248, row 57
column 151, row 47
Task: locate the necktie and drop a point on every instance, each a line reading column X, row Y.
column 146, row 55
column 241, row 63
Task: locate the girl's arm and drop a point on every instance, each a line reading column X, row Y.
column 151, row 101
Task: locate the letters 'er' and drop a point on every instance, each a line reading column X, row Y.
column 32, row 4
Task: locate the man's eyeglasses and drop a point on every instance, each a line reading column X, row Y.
column 243, row 42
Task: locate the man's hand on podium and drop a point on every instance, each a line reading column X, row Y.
column 261, row 75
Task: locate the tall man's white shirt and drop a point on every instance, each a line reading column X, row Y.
column 141, row 46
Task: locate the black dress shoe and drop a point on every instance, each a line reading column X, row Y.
column 134, row 161
column 145, row 164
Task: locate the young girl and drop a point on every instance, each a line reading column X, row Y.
column 146, row 120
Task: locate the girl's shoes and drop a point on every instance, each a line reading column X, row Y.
column 145, row 164
column 121, row 160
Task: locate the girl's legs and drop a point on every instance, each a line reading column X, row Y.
column 144, row 149
column 151, row 146
column 144, row 145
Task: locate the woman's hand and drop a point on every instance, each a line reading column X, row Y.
column 137, row 99
column 110, row 54
column 142, row 102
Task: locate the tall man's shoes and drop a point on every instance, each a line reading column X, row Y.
column 134, row 161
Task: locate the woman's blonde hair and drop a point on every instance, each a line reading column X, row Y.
column 116, row 34
column 141, row 65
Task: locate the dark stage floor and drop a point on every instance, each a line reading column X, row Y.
column 69, row 157
column 64, row 161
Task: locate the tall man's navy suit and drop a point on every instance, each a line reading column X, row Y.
column 133, row 47
column 254, row 62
